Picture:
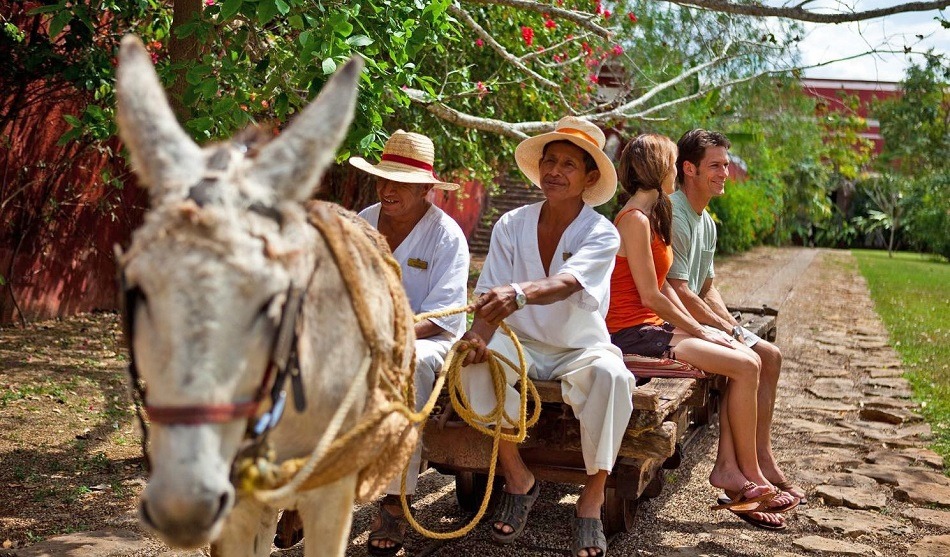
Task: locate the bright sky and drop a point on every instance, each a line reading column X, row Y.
column 824, row 42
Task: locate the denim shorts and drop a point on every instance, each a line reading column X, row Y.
column 645, row 340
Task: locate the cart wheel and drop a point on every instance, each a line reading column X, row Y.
column 655, row 486
column 619, row 513
column 470, row 489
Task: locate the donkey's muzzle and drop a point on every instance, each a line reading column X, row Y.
column 186, row 521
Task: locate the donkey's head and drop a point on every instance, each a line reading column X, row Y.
column 207, row 280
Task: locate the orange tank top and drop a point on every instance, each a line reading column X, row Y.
column 626, row 309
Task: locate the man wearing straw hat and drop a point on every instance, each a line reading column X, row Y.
column 433, row 255
column 547, row 274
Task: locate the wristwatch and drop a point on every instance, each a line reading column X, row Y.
column 520, row 298
column 737, row 332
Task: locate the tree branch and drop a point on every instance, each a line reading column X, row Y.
column 452, row 116
column 800, row 14
column 512, row 59
column 583, row 19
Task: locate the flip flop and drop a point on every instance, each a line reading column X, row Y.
column 747, row 517
column 787, row 486
column 738, row 501
column 513, row 509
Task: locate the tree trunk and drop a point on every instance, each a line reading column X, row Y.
column 182, row 50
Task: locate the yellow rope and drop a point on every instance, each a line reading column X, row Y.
column 452, row 374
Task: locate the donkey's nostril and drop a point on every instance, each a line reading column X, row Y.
column 224, row 504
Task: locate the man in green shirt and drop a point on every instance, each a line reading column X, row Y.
column 702, row 168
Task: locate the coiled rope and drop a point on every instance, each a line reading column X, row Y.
column 452, row 375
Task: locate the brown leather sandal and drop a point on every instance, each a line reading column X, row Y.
column 392, row 527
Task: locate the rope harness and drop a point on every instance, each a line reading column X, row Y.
column 380, row 443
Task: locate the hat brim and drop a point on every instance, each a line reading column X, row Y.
column 401, row 173
column 528, row 157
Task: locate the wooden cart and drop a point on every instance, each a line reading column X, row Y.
column 665, row 413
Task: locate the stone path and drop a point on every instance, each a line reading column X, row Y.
column 845, row 429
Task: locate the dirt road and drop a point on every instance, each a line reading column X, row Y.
column 845, row 429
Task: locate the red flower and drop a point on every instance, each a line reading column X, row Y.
column 550, row 24
column 606, row 14
column 527, row 33
column 479, row 43
column 586, row 48
column 618, row 50
column 632, row 16
column 599, row 8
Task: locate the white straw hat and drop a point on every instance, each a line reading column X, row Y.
column 585, row 135
column 407, row 157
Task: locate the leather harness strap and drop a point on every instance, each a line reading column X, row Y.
column 205, row 414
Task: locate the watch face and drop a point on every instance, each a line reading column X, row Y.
column 521, row 300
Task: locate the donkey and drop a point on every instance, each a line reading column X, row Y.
column 213, row 280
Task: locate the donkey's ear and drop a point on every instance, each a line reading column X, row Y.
column 163, row 155
column 293, row 163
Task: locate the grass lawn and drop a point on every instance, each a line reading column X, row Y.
column 911, row 293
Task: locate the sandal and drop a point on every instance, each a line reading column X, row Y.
column 739, row 502
column 513, row 509
column 289, row 530
column 587, row 533
column 787, row 486
column 748, row 518
column 392, row 527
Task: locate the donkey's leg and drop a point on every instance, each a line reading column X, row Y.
column 248, row 531
column 327, row 514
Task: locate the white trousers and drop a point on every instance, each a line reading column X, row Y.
column 430, row 355
column 594, row 382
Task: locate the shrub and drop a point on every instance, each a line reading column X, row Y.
column 745, row 215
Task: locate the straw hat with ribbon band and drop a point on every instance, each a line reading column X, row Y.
column 407, row 157
column 585, row 135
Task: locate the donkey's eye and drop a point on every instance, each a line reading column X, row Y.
column 263, row 313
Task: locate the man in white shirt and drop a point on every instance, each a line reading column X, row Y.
column 547, row 274
column 433, row 255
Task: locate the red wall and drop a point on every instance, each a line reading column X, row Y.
column 58, row 220
column 464, row 204
column 829, row 91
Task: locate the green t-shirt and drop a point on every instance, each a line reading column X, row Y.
column 694, row 244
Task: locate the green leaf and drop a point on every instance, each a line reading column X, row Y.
column 282, row 7
column 359, row 41
column 340, row 25
column 228, row 9
column 266, row 10
column 329, row 66
column 295, row 22
column 58, row 22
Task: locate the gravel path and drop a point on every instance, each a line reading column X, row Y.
column 845, row 430
column 827, row 330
